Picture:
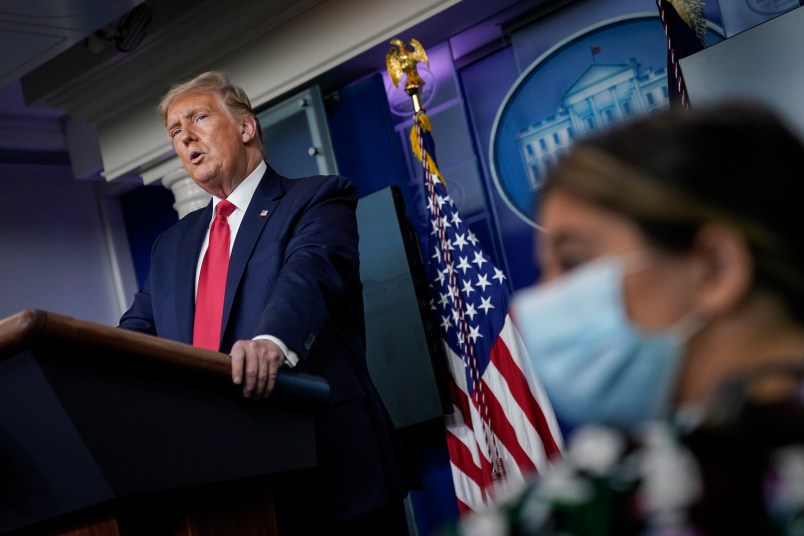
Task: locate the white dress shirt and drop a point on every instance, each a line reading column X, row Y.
column 240, row 198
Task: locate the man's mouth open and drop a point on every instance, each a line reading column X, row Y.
column 195, row 157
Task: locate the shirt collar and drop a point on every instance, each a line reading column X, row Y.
column 241, row 195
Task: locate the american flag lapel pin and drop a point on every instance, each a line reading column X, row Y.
column 263, row 213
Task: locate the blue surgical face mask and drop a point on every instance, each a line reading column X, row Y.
column 596, row 366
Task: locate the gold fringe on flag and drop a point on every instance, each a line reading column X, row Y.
column 424, row 124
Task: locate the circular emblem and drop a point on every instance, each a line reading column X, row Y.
column 602, row 75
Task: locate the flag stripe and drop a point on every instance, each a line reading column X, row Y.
column 467, row 475
column 459, row 400
column 507, row 435
column 463, row 458
column 463, row 507
column 477, row 466
column 524, row 396
column 524, row 434
column 550, row 429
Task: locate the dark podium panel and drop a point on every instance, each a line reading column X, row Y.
column 132, row 434
column 403, row 346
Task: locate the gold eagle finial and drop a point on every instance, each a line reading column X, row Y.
column 399, row 60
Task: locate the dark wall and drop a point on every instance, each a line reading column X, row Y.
column 147, row 211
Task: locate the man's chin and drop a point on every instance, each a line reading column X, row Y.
column 202, row 178
column 213, row 186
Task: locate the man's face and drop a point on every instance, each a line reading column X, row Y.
column 209, row 142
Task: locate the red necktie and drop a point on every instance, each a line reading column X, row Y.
column 212, row 282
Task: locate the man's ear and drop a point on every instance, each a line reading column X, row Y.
column 726, row 267
column 248, row 128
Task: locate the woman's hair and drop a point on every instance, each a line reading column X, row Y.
column 234, row 97
column 674, row 170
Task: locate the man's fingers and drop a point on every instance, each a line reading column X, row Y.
column 271, row 383
column 255, row 364
column 263, row 369
column 252, row 375
column 238, row 358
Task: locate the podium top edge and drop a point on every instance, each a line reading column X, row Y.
column 33, row 326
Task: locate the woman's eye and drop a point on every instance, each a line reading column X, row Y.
column 559, row 264
column 569, row 261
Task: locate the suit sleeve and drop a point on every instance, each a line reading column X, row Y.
column 321, row 265
column 140, row 316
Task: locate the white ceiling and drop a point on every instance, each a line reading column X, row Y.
column 38, row 34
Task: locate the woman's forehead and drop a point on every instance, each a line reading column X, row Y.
column 566, row 217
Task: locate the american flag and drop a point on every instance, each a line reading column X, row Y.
column 503, row 429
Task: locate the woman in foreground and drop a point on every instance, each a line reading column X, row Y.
column 668, row 330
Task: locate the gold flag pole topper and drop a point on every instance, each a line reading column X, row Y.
column 399, row 60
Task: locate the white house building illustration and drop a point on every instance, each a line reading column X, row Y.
column 603, row 94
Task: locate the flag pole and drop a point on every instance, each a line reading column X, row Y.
column 502, row 428
column 401, row 60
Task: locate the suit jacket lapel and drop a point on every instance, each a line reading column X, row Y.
column 260, row 209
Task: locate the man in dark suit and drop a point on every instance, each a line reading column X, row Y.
column 293, row 298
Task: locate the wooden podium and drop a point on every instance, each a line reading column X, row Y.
column 107, row 432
